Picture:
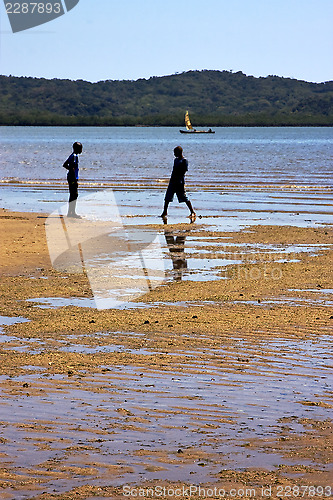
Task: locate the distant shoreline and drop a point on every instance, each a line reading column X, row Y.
column 113, row 125
column 213, row 98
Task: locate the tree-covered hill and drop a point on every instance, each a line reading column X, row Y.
column 212, row 97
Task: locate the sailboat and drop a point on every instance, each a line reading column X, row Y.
column 191, row 130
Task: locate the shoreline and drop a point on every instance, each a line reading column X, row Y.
column 160, row 184
column 221, row 382
column 232, row 208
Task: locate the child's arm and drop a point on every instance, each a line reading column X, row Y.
column 184, row 166
column 69, row 164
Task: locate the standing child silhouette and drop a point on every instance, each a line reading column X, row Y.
column 72, row 165
column 177, row 183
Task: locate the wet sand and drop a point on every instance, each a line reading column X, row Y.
column 224, row 383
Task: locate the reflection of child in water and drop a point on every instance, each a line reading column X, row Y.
column 177, row 183
column 176, row 245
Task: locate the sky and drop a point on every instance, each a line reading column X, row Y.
column 131, row 39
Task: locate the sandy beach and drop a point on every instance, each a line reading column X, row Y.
column 224, row 383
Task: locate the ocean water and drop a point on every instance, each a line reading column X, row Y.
column 238, row 173
column 235, row 155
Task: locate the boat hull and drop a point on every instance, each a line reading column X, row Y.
column 197, row 131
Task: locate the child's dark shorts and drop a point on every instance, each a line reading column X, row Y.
column 178, row 189
column 73, row 187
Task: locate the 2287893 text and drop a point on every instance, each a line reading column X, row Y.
column 304, row 491
column 33, row 8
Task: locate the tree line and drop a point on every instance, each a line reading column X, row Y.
column 214, row 98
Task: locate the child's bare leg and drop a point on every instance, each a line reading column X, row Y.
column 72, row 210
column 189, row 204
column 165, row 209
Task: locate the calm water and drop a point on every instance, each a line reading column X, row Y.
column 133, row 155
column 241, row 174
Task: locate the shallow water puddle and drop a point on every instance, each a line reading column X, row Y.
column 203, row 258
column 10, row 341
column 316, row 290
column 7, row 320
column 181, row 257
column 56, row 302
column 182, row 423
column 289, row 301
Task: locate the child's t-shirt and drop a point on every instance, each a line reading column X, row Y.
column 72, row 163
column 180, row 167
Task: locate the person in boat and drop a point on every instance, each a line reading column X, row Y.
column 177, row 183
column 72, row 165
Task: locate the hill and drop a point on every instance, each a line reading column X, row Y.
column 212, row 97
